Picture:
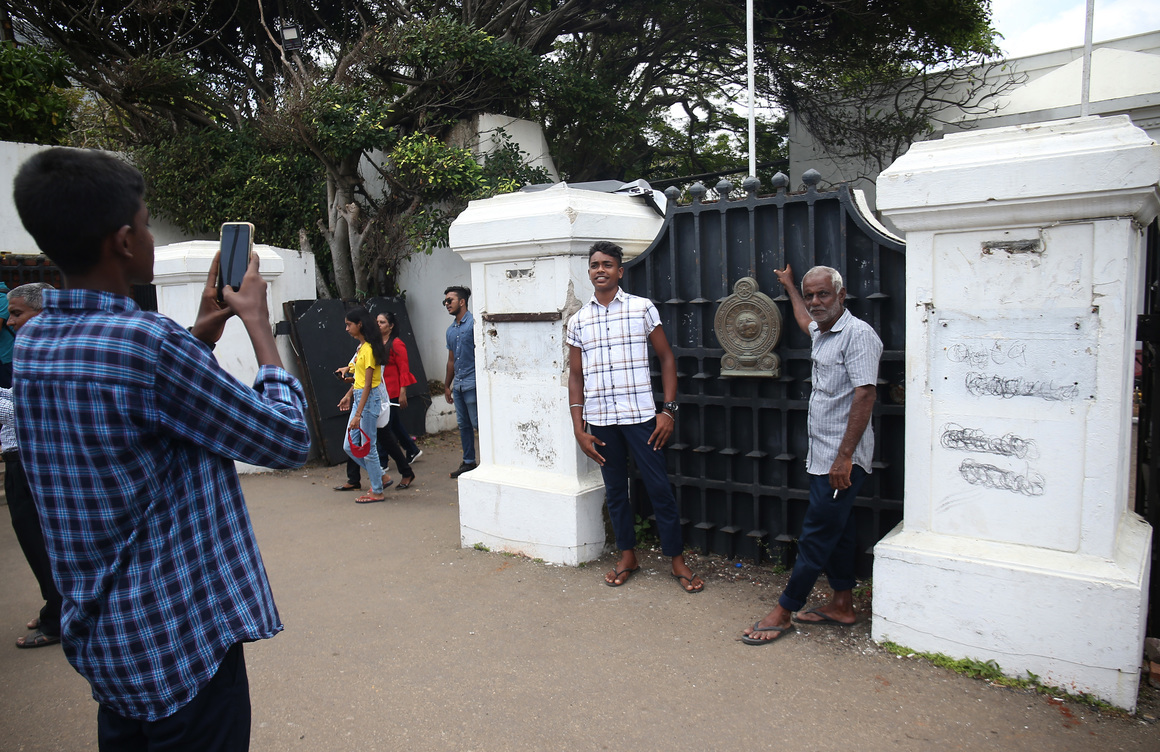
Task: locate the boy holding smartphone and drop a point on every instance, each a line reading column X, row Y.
column 128, row 429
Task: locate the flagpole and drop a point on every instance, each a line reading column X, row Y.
column 1086, row 84
column 752, row 105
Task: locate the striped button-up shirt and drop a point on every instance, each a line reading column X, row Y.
column 843, row 358
column 614, row 346
column 128, row 431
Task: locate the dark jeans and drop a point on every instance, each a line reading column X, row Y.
column 619, row 442
column 827, row 541
column 26, row 524
column 216, row 720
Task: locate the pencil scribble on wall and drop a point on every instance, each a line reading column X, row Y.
column 990, row 476
column 991, row 385
column 978, row 356
column 962, row 439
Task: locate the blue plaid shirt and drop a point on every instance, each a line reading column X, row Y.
column 128, row 432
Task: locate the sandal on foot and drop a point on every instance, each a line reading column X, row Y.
column 347, row 487
column 626, row 573
column 406, row 483
column 688, row 582
column 822, row 619
column 368, row 499
column 749, row 639
column 37, row 639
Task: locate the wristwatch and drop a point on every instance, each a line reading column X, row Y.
column 671, row 408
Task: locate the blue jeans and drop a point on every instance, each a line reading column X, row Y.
column 827, row 542
column 467, row 416
column 619, row 441
column 370, row 416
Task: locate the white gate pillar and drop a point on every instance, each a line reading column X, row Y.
column 1023, row 266
column 535, row 492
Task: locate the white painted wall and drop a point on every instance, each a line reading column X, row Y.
column 1023, row 256
column 13, row 238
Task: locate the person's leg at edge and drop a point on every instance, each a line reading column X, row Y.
column 469, row 397
column 655, row 475
column 615, row 474
column 463, row 420
column 30, row 536
column 217, row 719
column 840, row 567
column 401, row 433
column 389, row 444
column 822, row 528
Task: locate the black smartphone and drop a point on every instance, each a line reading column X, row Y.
column 237, row 246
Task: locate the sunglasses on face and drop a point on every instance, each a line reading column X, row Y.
column 449, row 301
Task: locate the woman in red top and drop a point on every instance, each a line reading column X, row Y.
column 397, row 377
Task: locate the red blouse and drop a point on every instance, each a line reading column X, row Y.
column 397, row 372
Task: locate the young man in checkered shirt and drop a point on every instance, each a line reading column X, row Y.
column 613, row 413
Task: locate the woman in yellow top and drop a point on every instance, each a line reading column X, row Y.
column 367, row 396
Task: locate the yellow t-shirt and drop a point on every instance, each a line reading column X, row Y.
column 362, row 361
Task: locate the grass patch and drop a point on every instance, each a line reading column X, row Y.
column 481, row 547
column 991, row 672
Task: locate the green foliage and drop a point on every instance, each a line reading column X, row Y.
column 442, row 178
column 645, row 535
column 33, row 105
column 481, row 547
column 342, row 120
column 203, row 177
column 990, row 671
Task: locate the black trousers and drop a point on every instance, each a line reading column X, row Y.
column 216, row 720
column 26, row 523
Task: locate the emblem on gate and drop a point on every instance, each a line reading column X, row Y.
column 748, row 326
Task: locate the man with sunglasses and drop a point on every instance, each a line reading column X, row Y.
column 460, row 378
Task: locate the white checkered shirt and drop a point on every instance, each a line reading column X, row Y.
column 614, row 345
column 843, row 358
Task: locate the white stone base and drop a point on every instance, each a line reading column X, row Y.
column 440, row 416
column 536, row 514
column 1077, row 622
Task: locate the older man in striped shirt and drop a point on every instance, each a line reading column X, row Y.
column 610, row 391
column 845, row 358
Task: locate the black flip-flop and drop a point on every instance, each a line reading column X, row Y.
column 38, row 639
column 347, row 487
column 616, row 573
column 822, row 619
column 690, row 581
column 748, row 639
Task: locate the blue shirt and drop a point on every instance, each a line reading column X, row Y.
column 128, row 432
column 461, row 343
column 6, row 334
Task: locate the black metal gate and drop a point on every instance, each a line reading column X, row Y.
column 737, row 459
column 1148, row 427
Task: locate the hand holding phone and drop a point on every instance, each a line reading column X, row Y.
column 237, row 246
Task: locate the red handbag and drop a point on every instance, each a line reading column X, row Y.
column 360, row 443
